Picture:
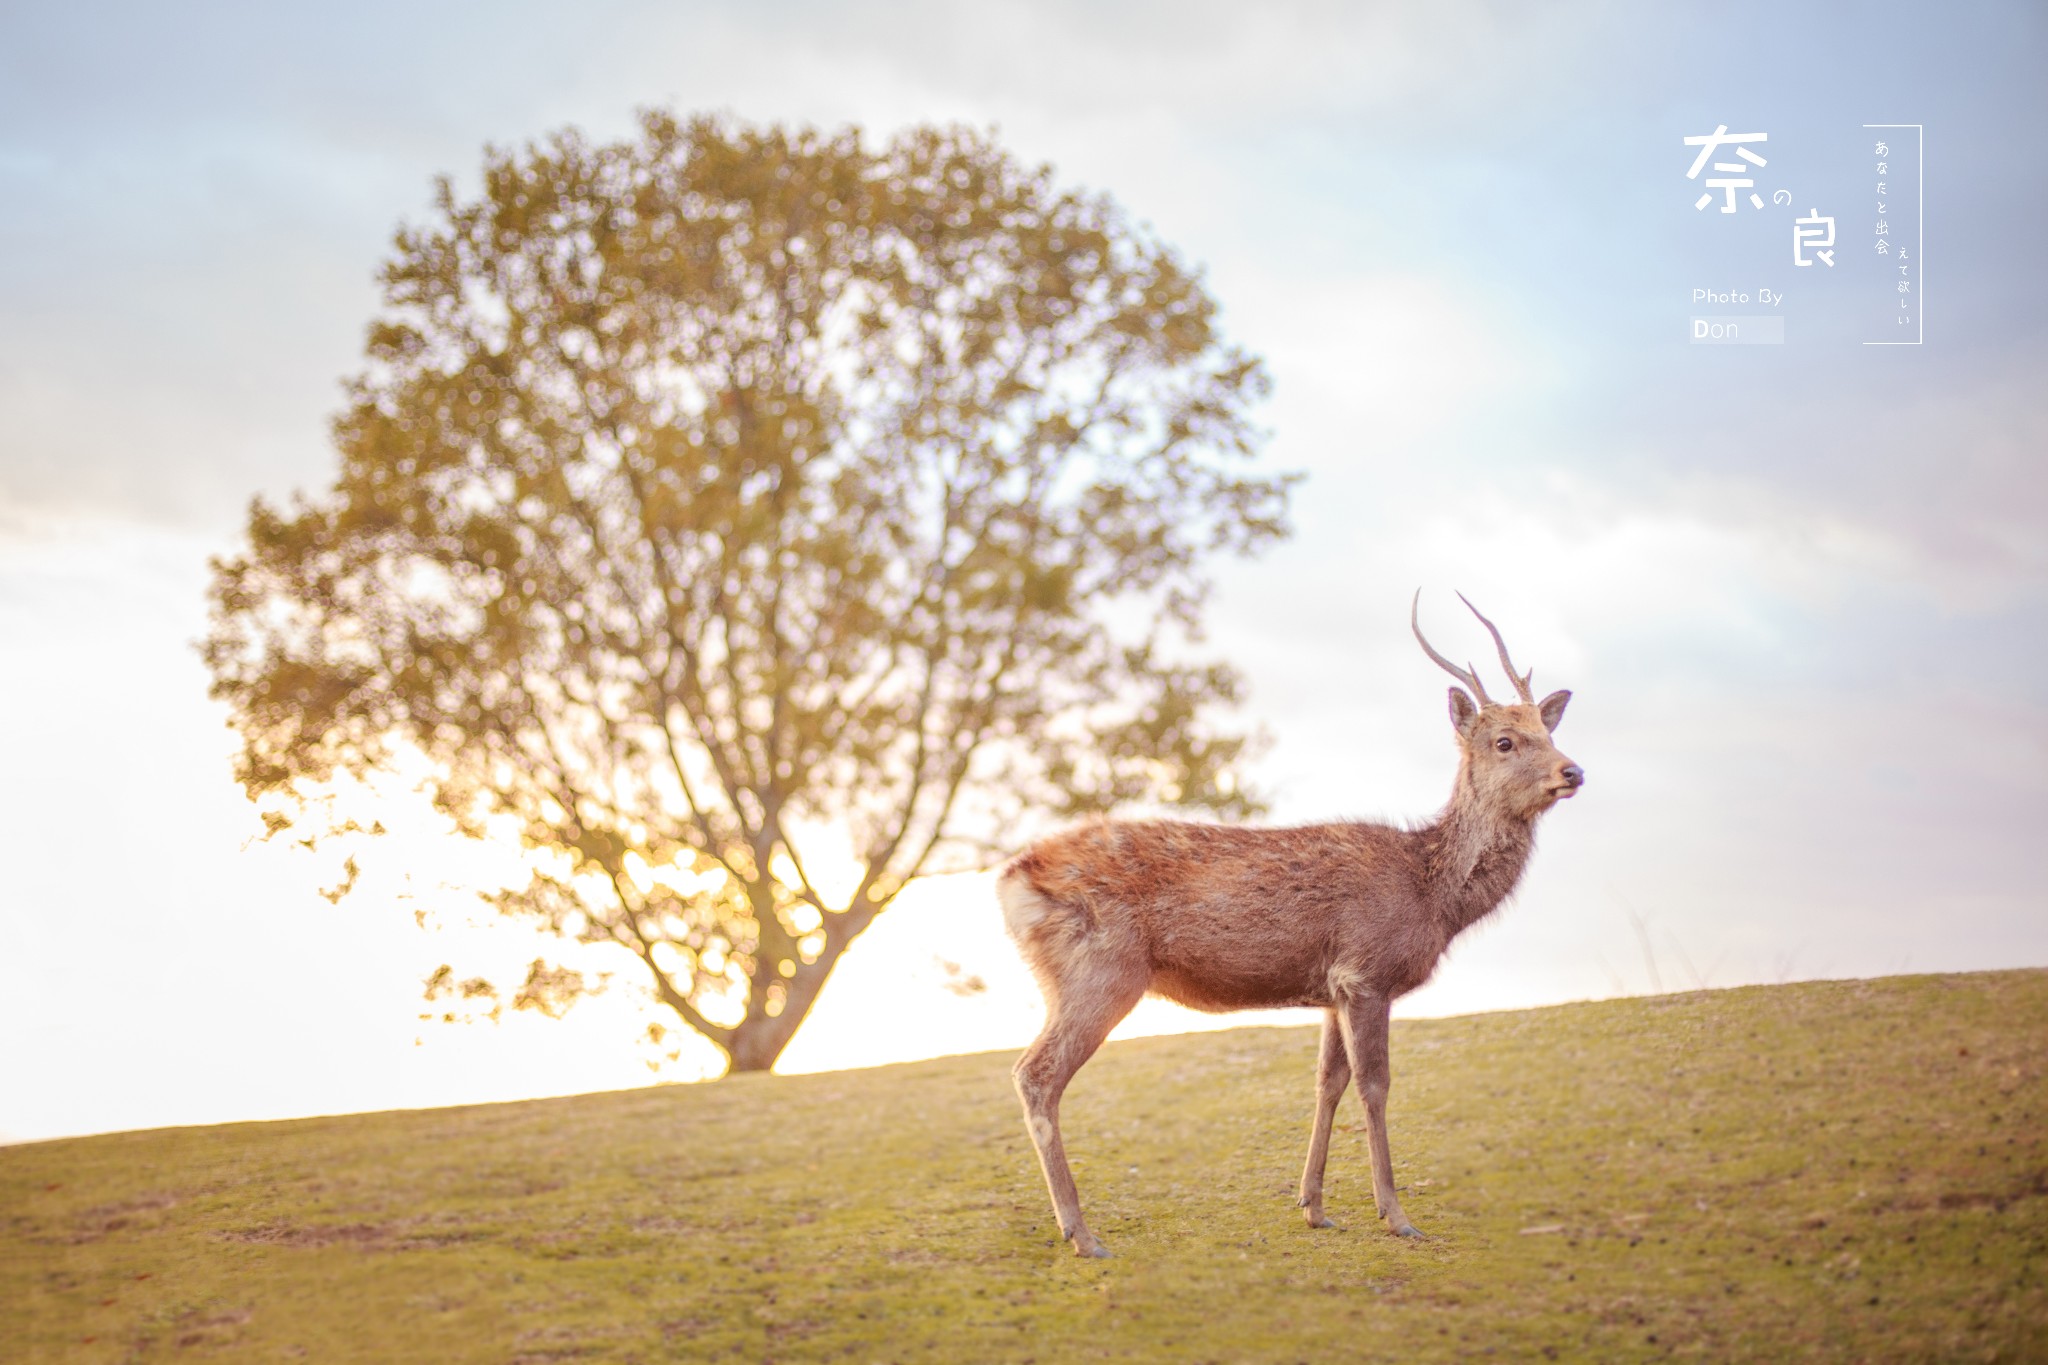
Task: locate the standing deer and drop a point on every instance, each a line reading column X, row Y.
column 1344, row 917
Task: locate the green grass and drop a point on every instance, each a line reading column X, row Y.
column 1836, row 1171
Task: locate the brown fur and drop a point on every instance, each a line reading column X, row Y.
column 1345, row 917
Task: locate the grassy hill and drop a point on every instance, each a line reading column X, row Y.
column 1836, row 1171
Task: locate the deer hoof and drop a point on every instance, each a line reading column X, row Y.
column 1313, row 1213
column 1327, row 1222
column 1085, row 1245
column 1405, row 1229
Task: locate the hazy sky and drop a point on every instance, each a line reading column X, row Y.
column 1799, row 590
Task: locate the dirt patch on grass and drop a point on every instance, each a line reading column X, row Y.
column 219, row 1328
column 143, row 1213
column 400, row 1236
column 212, row 1324
column 1998, row 1201
column 545, row 1345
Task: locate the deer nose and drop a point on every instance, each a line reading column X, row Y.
column 1573, row 775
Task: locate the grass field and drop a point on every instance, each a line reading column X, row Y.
column 1835, row 1171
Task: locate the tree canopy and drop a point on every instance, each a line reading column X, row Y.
column 728, row 482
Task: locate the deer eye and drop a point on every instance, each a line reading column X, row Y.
column 1504, row 744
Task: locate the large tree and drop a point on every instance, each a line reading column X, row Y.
column 729, row 482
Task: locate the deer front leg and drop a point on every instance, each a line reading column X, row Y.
column 1364, row 1020
column 1333, row 1073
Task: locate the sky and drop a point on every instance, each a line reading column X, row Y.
column 1799, row 590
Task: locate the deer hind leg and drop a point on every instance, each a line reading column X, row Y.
column 1086, row 996
column 1333, row 1073
column 1364, row 1019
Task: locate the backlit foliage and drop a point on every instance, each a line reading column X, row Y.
column 731, row 480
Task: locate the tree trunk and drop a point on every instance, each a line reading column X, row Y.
column 756, row 1043
column 759, row 1038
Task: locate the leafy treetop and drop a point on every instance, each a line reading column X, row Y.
column 728, row 482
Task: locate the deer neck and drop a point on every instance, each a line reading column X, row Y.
column 1472, row 857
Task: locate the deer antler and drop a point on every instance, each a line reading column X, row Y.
column 1467, row 675
column 1521, row 681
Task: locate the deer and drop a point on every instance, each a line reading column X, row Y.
column 1344, row 917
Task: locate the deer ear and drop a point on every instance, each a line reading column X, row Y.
column 1551, row 708
column 1463, row 713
